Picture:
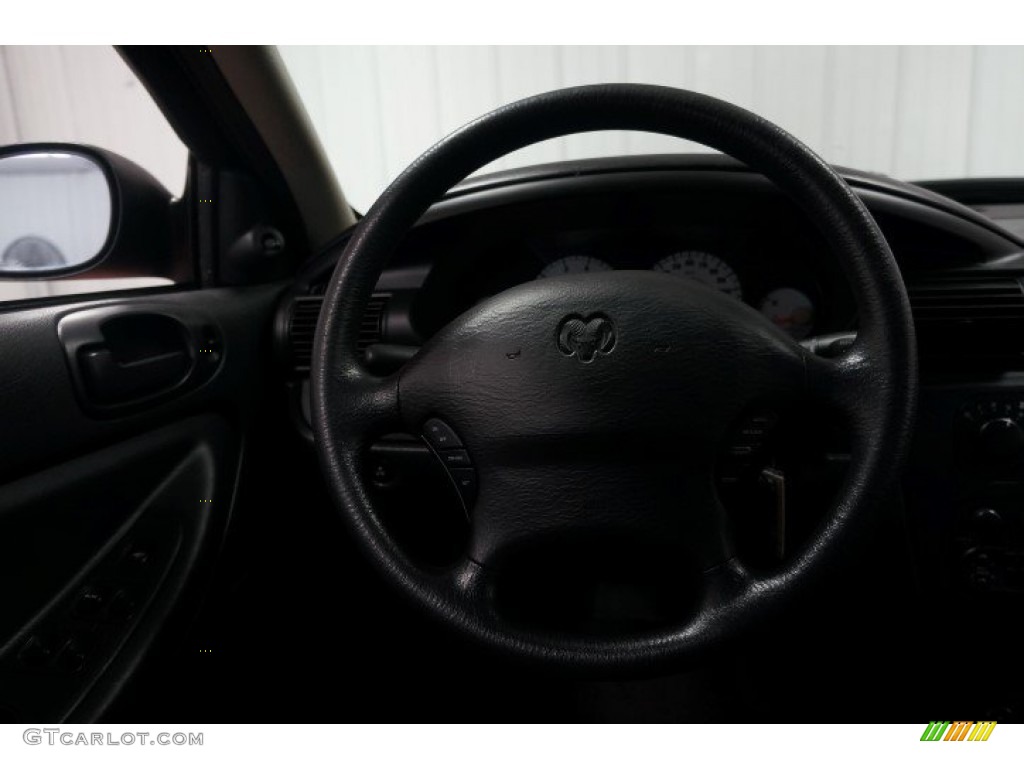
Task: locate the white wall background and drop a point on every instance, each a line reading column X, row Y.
column 912, row 112
column 86, row 94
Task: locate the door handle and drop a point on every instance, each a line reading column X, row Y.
column 109, row 381
column 133, row 356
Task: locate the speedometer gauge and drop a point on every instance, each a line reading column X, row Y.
column 704, row 268
column 791, row 310
column 574, row 265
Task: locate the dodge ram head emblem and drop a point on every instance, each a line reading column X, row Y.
column 586, row 338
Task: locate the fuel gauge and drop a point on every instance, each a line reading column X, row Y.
column 791, row 310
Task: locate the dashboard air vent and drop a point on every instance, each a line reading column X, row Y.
column 371, row 331
column 967, row 299
column 968, row 322
column 303, row 317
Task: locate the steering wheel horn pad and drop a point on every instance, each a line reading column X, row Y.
column 618, row 434
column 598, row 403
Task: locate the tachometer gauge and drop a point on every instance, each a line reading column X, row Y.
column 704, row 268
column 791, row 310
column 574, row 265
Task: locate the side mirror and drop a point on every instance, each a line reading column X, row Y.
column 68, row 209
column 56, row 212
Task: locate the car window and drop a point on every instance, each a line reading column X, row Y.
column 913, row 112
column 82, row 95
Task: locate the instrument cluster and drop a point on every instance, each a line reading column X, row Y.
column 789, row 307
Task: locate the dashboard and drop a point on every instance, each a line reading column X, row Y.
column 957, row 520
column 710, row 220
column 701, row 218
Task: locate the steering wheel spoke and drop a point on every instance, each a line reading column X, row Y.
column 371, row 405
column 466, row 581
column 850, row 383
column 723, row 585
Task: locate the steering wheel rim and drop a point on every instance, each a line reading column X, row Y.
column 874, row 383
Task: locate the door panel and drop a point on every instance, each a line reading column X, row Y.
column 111, row 517
column 105, row 542
column 41, row 414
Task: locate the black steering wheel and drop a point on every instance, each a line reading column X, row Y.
column 598, row 403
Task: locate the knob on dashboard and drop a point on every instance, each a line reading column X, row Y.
column 1001, row 438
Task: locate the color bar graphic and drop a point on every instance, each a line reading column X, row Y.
column 958, row 731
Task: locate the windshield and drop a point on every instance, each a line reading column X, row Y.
column 912, row 112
